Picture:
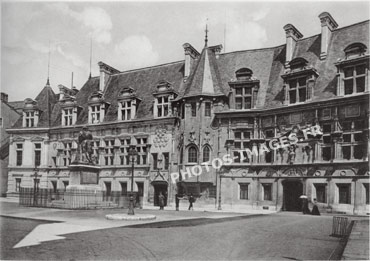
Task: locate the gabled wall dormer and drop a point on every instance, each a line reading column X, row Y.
column 128, row 103
column 353, row 70
column 31, row 113
column 97, row 108
column 70, row 110
column 244, row 90
column 163, row 96
column 299, row 81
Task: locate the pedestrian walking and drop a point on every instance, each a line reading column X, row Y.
column 315, row 209
column 177, row 200
column 191, row 201
column 161, row 201
column 305, row 209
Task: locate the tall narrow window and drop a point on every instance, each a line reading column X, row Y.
column 18, row 184
column 207, row 109
column 297, row 90
column 267, row 191
column 68, row 117
column 141, row 148
column 126, row 110
column 19, row 152
column 155, row 161
column 30, row 118
column 243, row 190
column 344, row 193
column 366, row 187
column 206, row 154
column 95, row 114
column 166, row 159
column 193, row 109
column 163, row 105
column 320, row 193
column 37, row 154
column 192, row 155
column 123, row 188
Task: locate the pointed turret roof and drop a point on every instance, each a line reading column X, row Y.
column 205, row 79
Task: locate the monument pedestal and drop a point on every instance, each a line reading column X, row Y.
column 83, row 190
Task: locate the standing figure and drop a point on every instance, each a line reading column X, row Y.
column 177, row 200
column 315, row 209
column 305, row 209
column 161, row 201
column 191, row 200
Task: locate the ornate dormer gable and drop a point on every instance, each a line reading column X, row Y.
column 70, row 110
column 31, row 113
column 128, row 103
column 97, row 108
column 353, row 70
column 244, row 90
column 299, row 81
column 65, row 91
column 164, row 95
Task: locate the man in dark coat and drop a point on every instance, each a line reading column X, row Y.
column 191, row 200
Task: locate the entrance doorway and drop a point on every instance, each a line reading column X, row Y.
column 158, row 188
column 292, row 190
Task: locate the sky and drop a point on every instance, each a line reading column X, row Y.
column 131, row 35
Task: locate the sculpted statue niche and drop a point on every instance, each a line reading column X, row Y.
column 85, row 144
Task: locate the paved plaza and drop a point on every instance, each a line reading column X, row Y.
column 53, row 234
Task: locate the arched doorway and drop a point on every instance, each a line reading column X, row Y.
column 160, row 186
column 292, row 190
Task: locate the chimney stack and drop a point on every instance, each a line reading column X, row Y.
column 4, row 97
column 105, row 72
column 328, row 24
column 292, row 36
column 191, row 54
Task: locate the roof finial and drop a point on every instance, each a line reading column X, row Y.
column 47, row 82
column 206, row 39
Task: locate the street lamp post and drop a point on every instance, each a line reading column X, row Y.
column 133, row 154
column 35, row 186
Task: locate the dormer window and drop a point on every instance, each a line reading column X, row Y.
column 30, row 113
column 127, row 104
column 97, row 108
column 297, row 90
column 354, row 79
column 163, row 97
column 69, row 110
column 354, row 50
column 353, row 70
column 244, row 90
column 163, row 106
column 299, row 81
column 95, row 113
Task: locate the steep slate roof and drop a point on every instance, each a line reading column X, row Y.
column 144, row 82
column 205, row 78
column 16, row 105
column 46, row 101
column 267, row 65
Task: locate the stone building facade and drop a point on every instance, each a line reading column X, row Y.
column 184, row 116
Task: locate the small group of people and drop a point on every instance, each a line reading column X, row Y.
column 161, row 199
column 306, row 210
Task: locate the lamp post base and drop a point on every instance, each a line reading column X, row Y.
column 131, row 206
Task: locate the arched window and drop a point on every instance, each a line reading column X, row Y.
column 192, row 155
column 206, row 154
column 355, row 49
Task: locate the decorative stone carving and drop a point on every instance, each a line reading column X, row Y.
column 161, row 139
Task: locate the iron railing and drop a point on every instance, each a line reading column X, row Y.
column 75, row 199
